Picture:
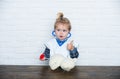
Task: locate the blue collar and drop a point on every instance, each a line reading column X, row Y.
column 60, row 43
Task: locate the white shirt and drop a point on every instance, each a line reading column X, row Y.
column 62, row 50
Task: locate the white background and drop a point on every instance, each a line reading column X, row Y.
column 26, row 24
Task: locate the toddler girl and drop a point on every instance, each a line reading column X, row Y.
column 62, row 44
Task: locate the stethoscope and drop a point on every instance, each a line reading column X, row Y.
column 53, row 33
column 61, row 42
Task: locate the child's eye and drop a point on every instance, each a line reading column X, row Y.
column 64, row 30
column 58, row 29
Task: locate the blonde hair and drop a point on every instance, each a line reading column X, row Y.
column 62, row 20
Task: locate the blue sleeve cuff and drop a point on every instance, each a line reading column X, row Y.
column 74, row 53
column 47, row 52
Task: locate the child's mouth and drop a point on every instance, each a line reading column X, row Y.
column 61, row 36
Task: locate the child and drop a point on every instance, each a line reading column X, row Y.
column 61, row 44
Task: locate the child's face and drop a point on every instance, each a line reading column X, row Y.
column 62, row 31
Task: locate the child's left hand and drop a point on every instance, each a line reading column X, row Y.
column 70, row 45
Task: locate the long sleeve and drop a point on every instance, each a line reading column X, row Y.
column 45, row 55
column 74, row 53
column 47, row 52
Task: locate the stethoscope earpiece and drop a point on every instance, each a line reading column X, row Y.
column 69, row 35
column 53, row 33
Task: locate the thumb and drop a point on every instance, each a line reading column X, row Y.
column 71, row 42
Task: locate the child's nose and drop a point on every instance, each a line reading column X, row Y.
column 61, row 32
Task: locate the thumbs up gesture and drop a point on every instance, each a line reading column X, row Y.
column 70, row 45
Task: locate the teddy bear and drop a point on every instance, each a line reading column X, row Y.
column 58, row 60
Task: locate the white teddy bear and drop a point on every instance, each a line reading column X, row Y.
column 55, row 61
column 60, row 61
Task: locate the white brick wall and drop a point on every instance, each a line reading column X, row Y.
column 26, row 24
